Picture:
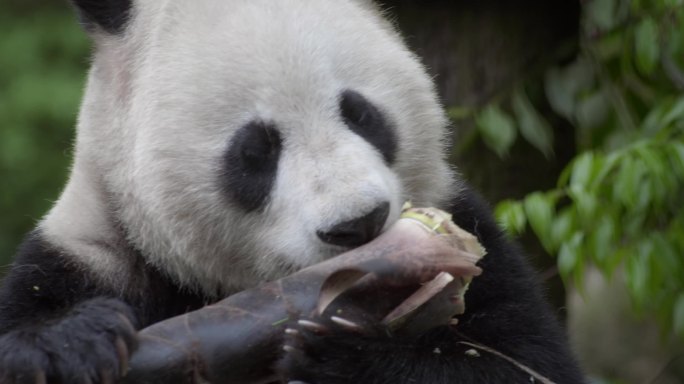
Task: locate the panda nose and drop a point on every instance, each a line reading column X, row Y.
column 359, row 231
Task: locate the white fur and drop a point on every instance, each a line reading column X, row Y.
column 164, row 99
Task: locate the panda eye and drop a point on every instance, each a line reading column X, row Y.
column 366, row 120
column 358, row 111
column 259, row 147
column 250, row 164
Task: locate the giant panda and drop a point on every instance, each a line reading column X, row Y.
column 223, row 143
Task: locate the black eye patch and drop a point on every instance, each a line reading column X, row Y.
column 367, row 121
column 250, row 164
column 111, row 15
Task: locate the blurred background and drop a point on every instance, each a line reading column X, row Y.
column 568, row 116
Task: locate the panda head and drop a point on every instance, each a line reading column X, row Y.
column 238, row 141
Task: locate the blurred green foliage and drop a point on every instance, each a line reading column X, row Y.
column 43, row 61
column 618, row 203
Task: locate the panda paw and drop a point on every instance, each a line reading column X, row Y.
column 327, row 350
column 90, row 345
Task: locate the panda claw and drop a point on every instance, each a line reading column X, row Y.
column 312, row 326
column 289, row 349
column 291, row 332
column 106, row 377
column 40, row 377
column 127, row 323
column 123, row 354
column 348, row 324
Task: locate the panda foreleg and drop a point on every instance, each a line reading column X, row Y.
column 321, row 350
column 57, row 323
column 90, row 344
column 333, row 353
column 336, row 354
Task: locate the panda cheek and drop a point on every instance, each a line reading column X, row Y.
column 250, row 164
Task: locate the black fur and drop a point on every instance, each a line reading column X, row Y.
column 504, row 311
column 359, row 231
column 111, row 15
column 366, row 120
column 250, row 164
column 80, row 346
column 55, row 317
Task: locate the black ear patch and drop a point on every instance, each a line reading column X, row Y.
column 367, row 121
column 250, row 164
column 110, row 15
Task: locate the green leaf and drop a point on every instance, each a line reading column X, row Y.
column 609, row 46
column 675, row 112
column 672, row 3
column 606, row 167
column 677, row 158
column 647, row 46
column 512, row 216
column 667, row 258
column 457, row 113
column 616, row 260
column 593, row 110
column 657, row 177
column 651, row 158
column 497, row 129
column 633, row 223
column 539, row 210
column 627, row 182
column 582, row 170
column 533, row 127
column 638, row 272
column 601, row 13
column 563, row 84
column 569, row 256
column 562, row 228
column 652, row 122
column 585, row 203
column 644, row 195
column 561, row 97
column 602, row 240
column 678, row 316
column 564, row 177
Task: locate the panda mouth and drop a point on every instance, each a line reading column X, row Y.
column 358, row 231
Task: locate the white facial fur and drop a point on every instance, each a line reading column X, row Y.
column 164, row 100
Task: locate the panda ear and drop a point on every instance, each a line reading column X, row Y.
column 108, row 15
